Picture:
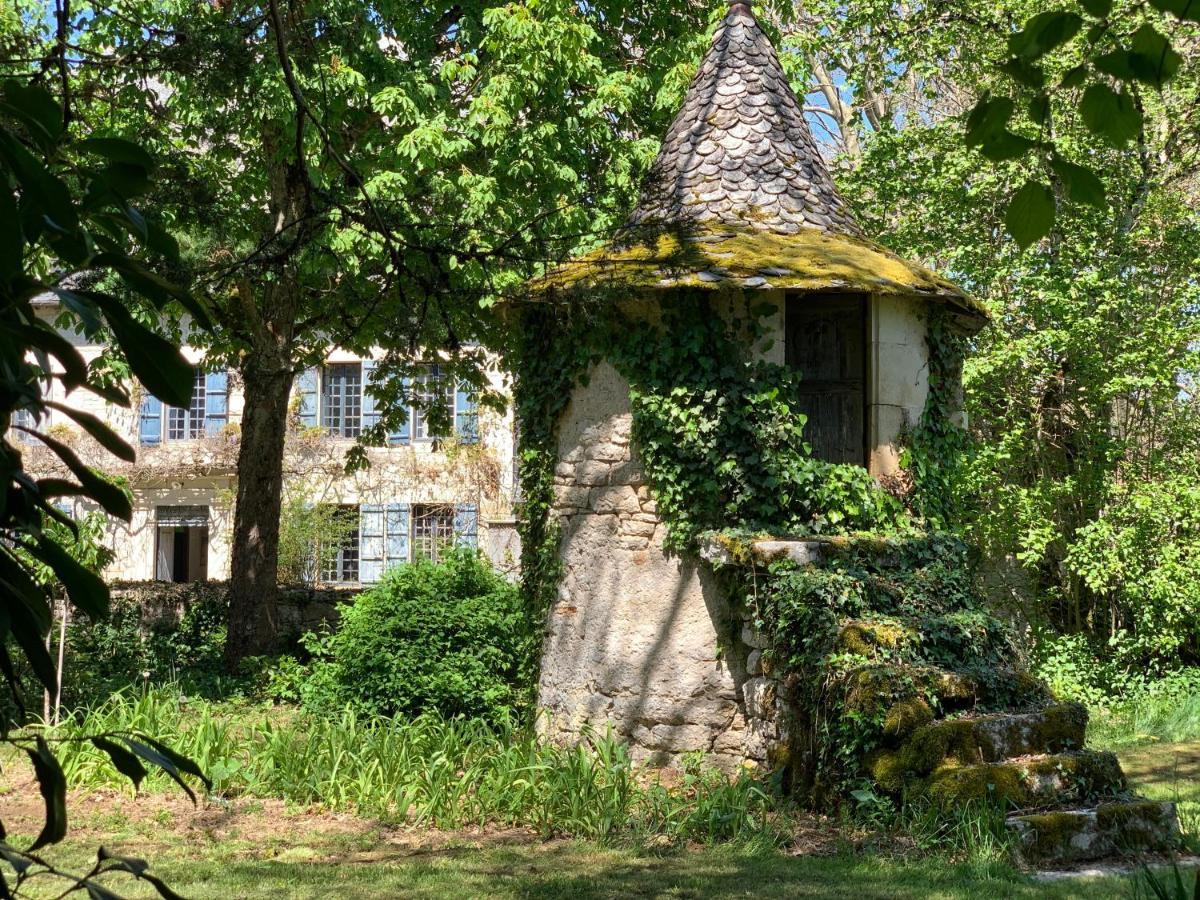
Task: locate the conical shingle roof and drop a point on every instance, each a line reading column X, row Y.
column 740, row 151
column 740, row 199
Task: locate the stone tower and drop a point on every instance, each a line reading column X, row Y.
column 738, row 203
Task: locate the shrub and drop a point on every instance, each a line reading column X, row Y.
column 449, row 637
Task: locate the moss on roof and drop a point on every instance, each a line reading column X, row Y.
column 716, row 256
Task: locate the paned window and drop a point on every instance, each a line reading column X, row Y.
column 341, row 564
column 432, row 530
column 206, row 413
column 341, row 400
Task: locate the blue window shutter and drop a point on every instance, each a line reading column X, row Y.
column 216, row 401
column 306, row 387
column 466, row 416
column 399, row 519
column 401, row 434
column 466, row 525
column 370, row 543
column 150, row 424
column 370, row 410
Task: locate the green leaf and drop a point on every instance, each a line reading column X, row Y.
column 53, row 786
column 1110, row 115
column 989, row 117
column 1188, row 10
column 34, row 106
column 86, row 589
column 1074, row 77
column 1097, row 8
column 1006, row 145
column 1082, row 184
column 1154, row 60
column 119, row 150
column 1024, row 72
column 123, row 760
column 1030, row 214
column 1039, row 109
column 111, row 497
column 155, row 361
column 12, row 241
column 1045, row 32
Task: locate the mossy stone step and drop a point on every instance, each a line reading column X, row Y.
column 1077, row 777
column 1111, row 829
column 986, row 739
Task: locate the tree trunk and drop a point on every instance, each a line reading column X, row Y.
column 253, row 584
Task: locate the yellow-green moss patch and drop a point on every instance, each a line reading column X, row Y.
column 718, row 257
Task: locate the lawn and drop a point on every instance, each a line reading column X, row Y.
column 255, row 849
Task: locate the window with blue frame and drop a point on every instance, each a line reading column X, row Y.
column 206, row 414
column 340, row 399
column 395, row 533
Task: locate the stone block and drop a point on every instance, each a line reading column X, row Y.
column 754, row 638
column 593, row 472
column 754, row 662
column 759, row 698
column 608, row 452
column 618, row 499
column 638, row 529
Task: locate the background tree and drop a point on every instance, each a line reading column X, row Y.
column 376, row 177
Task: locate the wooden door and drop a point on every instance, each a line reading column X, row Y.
column 826, row 339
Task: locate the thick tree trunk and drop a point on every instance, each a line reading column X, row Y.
column 253, row 585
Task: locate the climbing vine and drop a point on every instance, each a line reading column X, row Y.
column 936, row 449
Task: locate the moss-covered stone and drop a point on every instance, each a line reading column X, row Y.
column 905, row 716
column 715, row 257
column 1081, row 777
column 869, row 637
column 1109, row 829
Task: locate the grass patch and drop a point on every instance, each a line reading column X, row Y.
column 271, row 851
column 1165, row 718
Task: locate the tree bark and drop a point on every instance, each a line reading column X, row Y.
column 253, row 584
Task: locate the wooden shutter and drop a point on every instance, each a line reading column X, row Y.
column 401, row 434
column 306, row 388
column 216, row 402
column 150, row 421
column 370, row 543
column 399, row 522
column 466, row 525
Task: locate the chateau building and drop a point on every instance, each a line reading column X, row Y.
column 422, row 491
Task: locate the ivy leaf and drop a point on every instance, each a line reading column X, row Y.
column 1110, row 115
column 1082, row 184
column 1045, row 32
column 1030, row 214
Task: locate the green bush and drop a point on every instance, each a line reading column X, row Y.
column 449, row 637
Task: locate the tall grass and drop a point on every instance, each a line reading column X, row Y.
column 446, row 773
column 1167, row 718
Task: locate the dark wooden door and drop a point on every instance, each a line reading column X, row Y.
column 827, row 341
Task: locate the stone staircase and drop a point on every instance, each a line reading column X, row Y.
column 914, row 665
column 1068, row 803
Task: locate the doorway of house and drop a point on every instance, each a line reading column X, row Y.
column 181, row 552
column 826, row 340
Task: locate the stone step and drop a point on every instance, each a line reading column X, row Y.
column 1110, row 829
column 1076, row 777
column 985, row 739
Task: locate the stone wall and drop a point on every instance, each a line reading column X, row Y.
column 637, row 638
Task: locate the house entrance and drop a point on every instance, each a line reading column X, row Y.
column 181, row 554
column 826, row 339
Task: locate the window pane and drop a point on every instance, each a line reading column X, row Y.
column 342, row 399
column 341, row 564
column 432, row 531
column 183, row 424
column 432, row 390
